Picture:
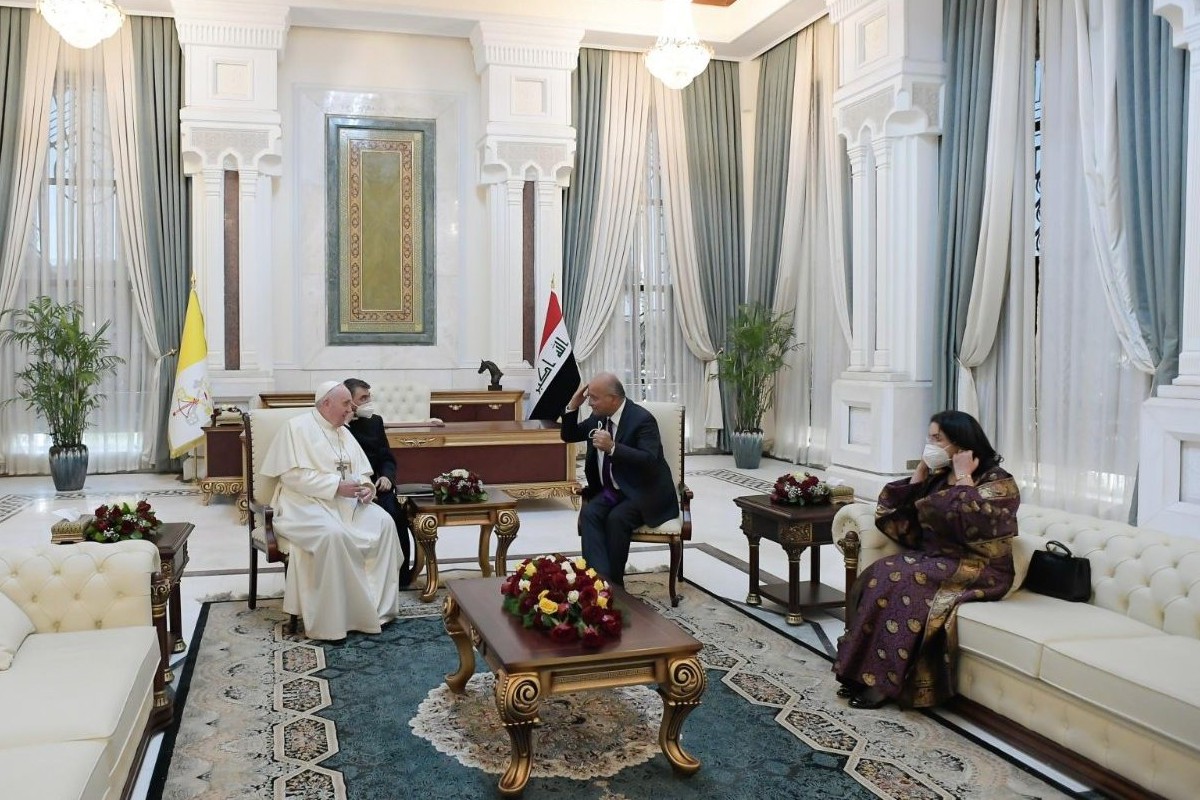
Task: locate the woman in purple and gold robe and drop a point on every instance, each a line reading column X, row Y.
column 955, row 518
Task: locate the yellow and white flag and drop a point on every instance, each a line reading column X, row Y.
column 191, row 402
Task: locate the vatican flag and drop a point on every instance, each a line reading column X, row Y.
column 191, row 402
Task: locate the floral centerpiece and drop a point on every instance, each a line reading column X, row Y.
column 122, row 520
column 800, row 489
column 563, row 598
column 459, row 486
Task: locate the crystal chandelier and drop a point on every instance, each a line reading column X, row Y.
column 678, row 55
column 82, row 23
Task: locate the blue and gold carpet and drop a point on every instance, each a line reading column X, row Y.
column 268, row 717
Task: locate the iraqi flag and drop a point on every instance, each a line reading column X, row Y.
column 557, row 372
column 191, row 402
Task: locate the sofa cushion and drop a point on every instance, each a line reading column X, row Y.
column 15, row 625
column 61, row 771
column 1150, row 680
column 1013, row 631
column 79, row 686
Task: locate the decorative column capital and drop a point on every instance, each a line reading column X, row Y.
column 1184, row 17
column 541, row 160
column 516, row 45
column 221, row 145
column 216, row 23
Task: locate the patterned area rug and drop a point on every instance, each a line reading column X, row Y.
column 268, row 717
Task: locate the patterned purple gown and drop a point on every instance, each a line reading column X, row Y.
column 957, row 539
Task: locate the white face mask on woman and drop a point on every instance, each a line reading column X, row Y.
column 365, row 411
column 935, row 457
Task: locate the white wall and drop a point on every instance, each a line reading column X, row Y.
column 389, row 75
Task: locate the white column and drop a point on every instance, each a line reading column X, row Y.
column 888, row 111
column 1169, row 461
column 525, row 72
column 230, row 121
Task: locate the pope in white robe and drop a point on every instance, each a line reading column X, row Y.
column 344, row 560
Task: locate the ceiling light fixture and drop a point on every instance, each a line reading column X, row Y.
column 678, row 55
column 82, row 23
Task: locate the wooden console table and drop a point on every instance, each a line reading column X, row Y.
column 472, row 406
column 223, row 472
column 527, row 459
column 795, row 529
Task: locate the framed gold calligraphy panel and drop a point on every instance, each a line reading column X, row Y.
column 381, row 230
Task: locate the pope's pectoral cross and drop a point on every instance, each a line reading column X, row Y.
column 343, row 468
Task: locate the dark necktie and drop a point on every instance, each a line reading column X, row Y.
column 606, row 470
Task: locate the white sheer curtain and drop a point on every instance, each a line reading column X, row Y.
column 811, row 282
column 644, row 342
column 1006, row 232
column 74, row 252
column 1089, row 392
column 668, row 160
column 619, row 204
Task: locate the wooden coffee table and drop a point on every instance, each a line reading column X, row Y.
column 426, row 515
column 530, row 666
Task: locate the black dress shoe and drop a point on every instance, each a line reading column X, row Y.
column 845, row 691
column 869, row 700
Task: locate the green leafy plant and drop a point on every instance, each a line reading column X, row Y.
column 755, row 350
column 66, row 365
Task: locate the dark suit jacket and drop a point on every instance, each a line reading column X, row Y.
column 373, row 439
column 639, row 468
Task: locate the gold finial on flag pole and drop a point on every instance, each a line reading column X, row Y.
column 553, row 283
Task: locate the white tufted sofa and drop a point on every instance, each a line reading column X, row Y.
column 81, row 687
column 1117, row 679
column 401, row 402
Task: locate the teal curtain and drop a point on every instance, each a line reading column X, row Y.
column 969, row 40
column 1152, row 144
column 589, row 88
column 14, row 38
column 772, row 140
column 158, row 70
column 711, row 113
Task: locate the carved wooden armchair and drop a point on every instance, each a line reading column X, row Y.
column 670, row 419
column 261, row 426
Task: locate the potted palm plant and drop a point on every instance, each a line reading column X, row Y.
column 755, row 350
column 66, row 366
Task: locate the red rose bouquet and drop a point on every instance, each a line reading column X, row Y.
column 458, row 486
column 800, row 489
column 562, row 598
column 122, row 520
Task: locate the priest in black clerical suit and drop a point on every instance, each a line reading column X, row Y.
column 629, row 481
column 367, row 428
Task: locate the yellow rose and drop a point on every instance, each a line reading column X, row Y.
column 530, row 570
column 591, row 573
column 580, row 563
column 547, row 605
column 598, row 585
column 602, row 601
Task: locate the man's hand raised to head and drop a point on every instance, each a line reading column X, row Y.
column 577, row 398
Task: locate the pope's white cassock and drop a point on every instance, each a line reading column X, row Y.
column 344, row 563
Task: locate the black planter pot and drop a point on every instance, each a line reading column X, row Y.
column 68, row 467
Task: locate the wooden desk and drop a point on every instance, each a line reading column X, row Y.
column 530, row 666
column 795, row 529
column 426, row 515
column 527, row 459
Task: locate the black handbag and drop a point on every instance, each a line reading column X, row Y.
column 1055, row 572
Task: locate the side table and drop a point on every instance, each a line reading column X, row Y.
column 426, row 515
column 172, row 552
column 795, row 529
column 223, row 471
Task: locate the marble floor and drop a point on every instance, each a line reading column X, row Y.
column 716, row 559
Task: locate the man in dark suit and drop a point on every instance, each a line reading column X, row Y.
column 629, row 482
column 367, row 428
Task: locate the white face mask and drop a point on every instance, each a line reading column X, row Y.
column 935, row 457
column 365, row 411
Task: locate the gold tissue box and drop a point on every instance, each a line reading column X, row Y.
column 68, row 531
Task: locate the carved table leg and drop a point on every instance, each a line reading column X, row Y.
column 681, row 693
column 794, row 617
column 753, row 598
column 461, row 634
column 507, row 525
column 243, row 508
column 425, row 528
column 485, row 541
column 517, row 698
column 164, row 700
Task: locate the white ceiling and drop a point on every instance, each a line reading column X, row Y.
column 738, row 32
